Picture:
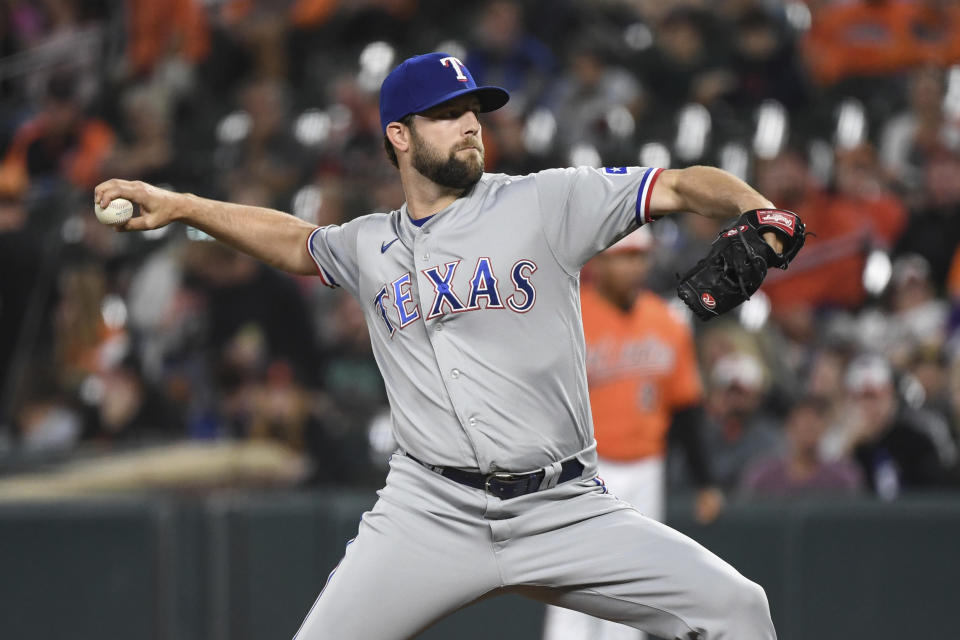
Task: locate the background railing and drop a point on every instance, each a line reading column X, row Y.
column 248, row 566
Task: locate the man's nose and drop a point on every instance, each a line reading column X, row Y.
column 469, row 123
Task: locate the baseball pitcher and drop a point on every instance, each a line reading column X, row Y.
column 471, row 294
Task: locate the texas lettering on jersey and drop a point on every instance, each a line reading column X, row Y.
column 395, row 305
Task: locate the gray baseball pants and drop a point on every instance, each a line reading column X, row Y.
column 431, row 546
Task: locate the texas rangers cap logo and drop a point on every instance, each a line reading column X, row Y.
column 458, row 66
column 708, row 300
column 779, row 219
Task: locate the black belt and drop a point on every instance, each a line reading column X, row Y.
column 505, row 485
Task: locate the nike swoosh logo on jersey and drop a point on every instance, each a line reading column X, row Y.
column 386, row 245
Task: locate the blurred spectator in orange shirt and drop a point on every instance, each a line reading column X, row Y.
column 858, row 214
column 643, row 379
column 162, row 28
column 937, row 28
column 59, row 142
column 863, row 38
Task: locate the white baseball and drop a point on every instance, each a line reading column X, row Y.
column 117, row 212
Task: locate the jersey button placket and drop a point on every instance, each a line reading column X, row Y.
column 455, row 373
column 421, row 248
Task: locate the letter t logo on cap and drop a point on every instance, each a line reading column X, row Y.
column 457, row 65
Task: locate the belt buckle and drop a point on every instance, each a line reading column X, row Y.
column 501, row 476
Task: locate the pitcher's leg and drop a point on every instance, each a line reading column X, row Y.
column 409, row 566
column 612, row 562
column 641, row 484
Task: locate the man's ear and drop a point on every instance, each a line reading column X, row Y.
column 399, row 136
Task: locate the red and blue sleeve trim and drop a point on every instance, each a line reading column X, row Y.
column 643, row 195
column 325, row 276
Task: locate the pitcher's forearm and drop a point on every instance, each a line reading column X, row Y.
column 707, row 191
column 278, row 239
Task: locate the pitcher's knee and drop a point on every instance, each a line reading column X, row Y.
column 737, row 609
column 755, row 602
column 750, row 609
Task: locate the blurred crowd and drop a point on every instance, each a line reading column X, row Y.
column 841, row 375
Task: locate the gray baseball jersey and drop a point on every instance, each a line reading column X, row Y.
column 475, row 315
column 475, row 322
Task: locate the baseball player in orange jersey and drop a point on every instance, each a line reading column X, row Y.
column 643, row 378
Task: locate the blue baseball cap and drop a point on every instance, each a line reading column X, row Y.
column 422, row 82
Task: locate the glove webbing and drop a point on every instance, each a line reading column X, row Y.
column 753, row 257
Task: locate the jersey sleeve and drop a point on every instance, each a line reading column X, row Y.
column 334, row 250
column 585, row 209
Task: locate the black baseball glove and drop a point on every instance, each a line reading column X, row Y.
column 738, row 261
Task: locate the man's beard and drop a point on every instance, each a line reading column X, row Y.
column 451, row 172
